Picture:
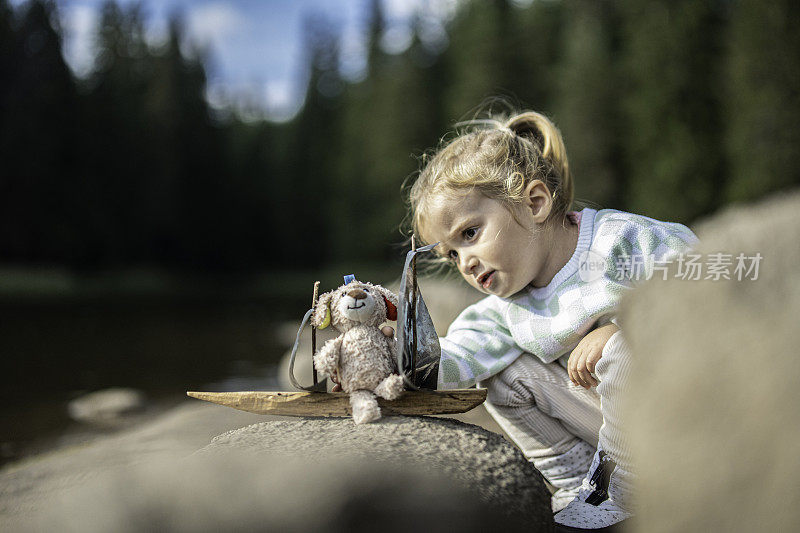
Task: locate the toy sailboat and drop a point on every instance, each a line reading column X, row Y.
column 418, row 355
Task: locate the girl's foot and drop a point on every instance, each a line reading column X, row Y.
column 565, row 472
column 603, row 499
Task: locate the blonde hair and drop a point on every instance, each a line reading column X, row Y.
column 499, row 157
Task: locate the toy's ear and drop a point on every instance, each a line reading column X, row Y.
column 322, row 312
column 391, row 309
column 391, row 302
column 327, row 320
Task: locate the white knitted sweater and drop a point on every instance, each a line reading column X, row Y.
column 615, row 249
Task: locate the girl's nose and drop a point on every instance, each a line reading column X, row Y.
column 469, row 262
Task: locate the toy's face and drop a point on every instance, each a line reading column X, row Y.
column 357, row 303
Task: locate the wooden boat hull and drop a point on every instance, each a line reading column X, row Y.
column 337, row 404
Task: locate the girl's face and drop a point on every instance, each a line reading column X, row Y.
column 495, row 252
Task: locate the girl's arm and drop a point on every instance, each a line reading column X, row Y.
column 477, row 346
column 587, row 353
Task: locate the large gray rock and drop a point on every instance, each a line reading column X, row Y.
column 443, row 455
column 430, row 474
column 714, row 405
column 35, row 486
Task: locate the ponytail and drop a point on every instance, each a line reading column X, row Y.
column 539, row 130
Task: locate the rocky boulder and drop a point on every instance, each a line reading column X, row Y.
column 401, row 473
column 715, row 395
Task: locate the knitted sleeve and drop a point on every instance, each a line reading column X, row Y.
column 478, row 345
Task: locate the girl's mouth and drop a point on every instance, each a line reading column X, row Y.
column 486, row 279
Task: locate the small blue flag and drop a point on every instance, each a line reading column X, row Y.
column 348, row 278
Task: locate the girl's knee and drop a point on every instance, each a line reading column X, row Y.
column 615, row 360
column 523, row 382
column 498, row 391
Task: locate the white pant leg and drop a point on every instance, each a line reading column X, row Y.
column 606, row 495
column 554, row 422
column 613, row 371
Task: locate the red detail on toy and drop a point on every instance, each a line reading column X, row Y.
column 391, row 309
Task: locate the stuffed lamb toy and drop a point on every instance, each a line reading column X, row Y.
column 362, row 358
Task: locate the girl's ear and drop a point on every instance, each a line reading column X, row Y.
column 321, row 318
column 539, row 200
column 391, row 302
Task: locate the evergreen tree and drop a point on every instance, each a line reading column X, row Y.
column 387, row 120
column 117, row 152
column 155, row 161
column 376, row 26
column 673, row 126
column 358, row 121
column 206, row 226
column 10, row 60
column 587, row 100
column 37, row 137
column 474, row 59
column 316, row 148
column 533, row 44
column 763, row 101
column 403, row 125
column 256, row 153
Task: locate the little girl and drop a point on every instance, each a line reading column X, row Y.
column 545, row 342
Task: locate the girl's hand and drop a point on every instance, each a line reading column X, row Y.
column 587, row 353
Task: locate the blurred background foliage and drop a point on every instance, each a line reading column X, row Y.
column 669, row 108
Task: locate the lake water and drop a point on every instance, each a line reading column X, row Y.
column 56, row 349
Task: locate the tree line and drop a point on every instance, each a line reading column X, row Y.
column 669, row 108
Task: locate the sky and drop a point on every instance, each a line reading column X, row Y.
column 254, row 47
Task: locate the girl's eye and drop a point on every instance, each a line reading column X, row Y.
column 365, row 289
column 452, row 255
column 470, row 233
